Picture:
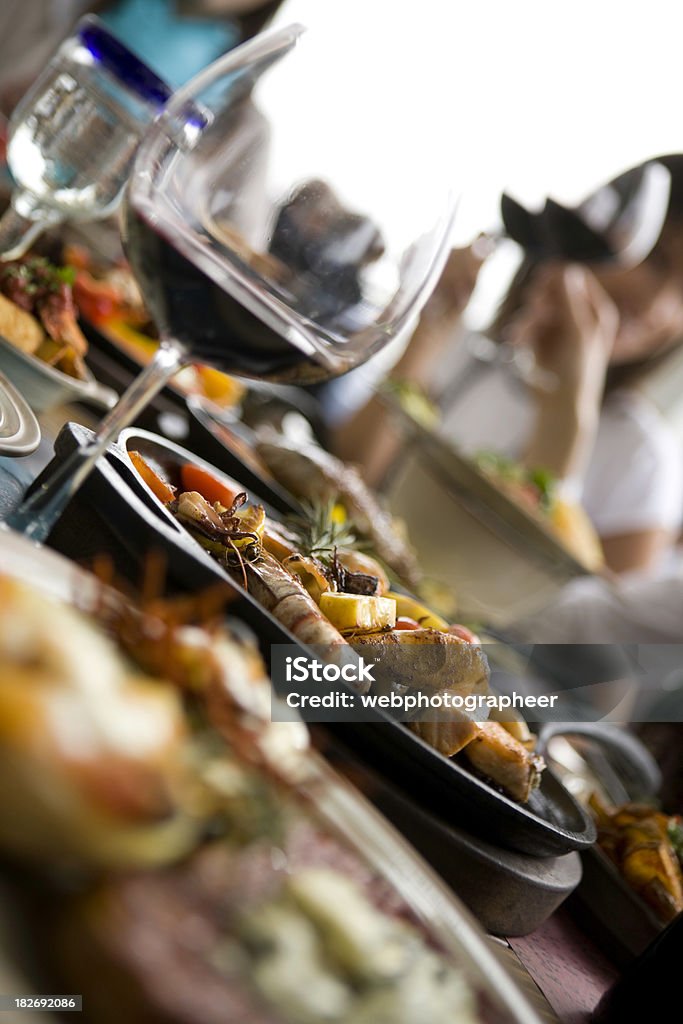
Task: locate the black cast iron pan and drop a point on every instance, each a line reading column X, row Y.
column 130, row 522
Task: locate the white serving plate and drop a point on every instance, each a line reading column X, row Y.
column 502, row 562
column 43, row 386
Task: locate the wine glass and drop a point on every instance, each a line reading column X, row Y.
column 73, row 136
column 273, row 229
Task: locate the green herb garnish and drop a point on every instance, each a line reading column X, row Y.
column 67, row 275
column 675, row 833
column 546, row 485
column 319, row 532
column 36, row 275
column 508, row 470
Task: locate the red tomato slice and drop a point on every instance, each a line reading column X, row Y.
column 96, row 300
column 194, row 478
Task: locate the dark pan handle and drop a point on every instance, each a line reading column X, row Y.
column 633, row 763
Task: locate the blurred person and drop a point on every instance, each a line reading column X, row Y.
column 591, row 610
column 361, row 431
column 595, row 329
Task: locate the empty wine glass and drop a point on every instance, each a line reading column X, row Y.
column 73, row 136
column 276, row 229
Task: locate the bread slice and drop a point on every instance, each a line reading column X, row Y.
column 20, row 328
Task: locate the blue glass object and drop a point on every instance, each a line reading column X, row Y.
column 175, row 45
column 119, row 60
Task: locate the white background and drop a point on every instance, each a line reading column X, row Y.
column 537, row 95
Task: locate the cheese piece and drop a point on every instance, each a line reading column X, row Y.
column 351, row 612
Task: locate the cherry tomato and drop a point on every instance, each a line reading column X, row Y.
column 464, row 634
column 96, row 300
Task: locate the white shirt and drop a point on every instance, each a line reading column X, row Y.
column 634, row 478
column 635, row 610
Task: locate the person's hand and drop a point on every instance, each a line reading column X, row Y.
column 458, row 280
column 569, row 323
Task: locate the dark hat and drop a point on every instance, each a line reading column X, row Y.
column 674, row 165
column 620, row 222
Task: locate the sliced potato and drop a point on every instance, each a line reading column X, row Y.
column 496, row 754
column 279, row 541
column 448, row 731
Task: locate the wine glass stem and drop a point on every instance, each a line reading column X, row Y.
column 38, row 513
column 22, row 223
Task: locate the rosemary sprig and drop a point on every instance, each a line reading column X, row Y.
column 319, row 531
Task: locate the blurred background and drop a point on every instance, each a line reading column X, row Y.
column 535, row 100
column 532, row 100
column 521, row 99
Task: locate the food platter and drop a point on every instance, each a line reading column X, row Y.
column 374, row 846
column 613, row 911
column 552, row 823
column 475, row 486
column 433, row 482
column 230, row 445
column 44, row 386
column 630, row 885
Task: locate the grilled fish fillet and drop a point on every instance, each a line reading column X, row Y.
column 426, row 659
column 502, row 758
column 448, row 731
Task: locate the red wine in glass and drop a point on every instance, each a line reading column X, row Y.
column 259, row 247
